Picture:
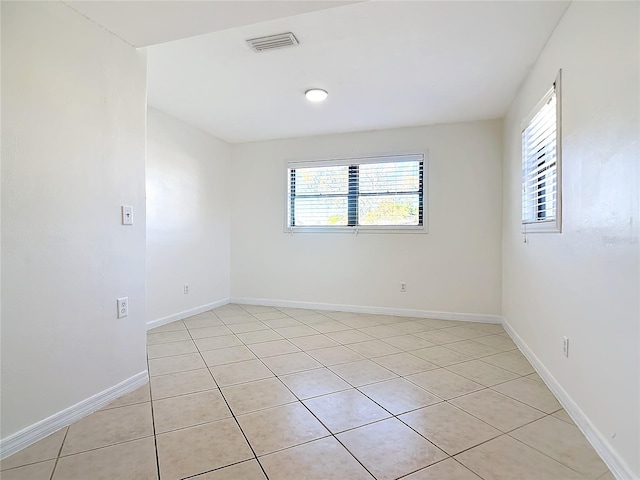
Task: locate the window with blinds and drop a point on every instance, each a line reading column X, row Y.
column 373, row 193
column 541, row 154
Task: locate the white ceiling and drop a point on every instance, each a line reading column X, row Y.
column 385, row 64
column 149, row 22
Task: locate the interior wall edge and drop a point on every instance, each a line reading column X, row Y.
column 186, row 313
column 616, row 464
column 400, row 312
column 39, row 430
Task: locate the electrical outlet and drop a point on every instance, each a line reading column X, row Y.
column 186, row 289
column 403, row 287
column 123, row 307
column 565, row 346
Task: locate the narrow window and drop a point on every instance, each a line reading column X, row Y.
column 368, row 193
column 541, row 160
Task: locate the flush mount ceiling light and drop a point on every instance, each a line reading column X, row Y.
column 316, row 95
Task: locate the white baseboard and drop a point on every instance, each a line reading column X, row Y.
column 617, row 465
column 187, row 313
column 31, row 434
column 400, row 312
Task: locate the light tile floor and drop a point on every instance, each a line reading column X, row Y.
column 252, row 392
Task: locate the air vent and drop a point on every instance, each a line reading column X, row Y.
column 273, row 42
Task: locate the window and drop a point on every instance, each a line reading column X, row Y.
column 374, row 193
column 541, row 156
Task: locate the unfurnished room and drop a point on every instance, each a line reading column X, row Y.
column 314, row 240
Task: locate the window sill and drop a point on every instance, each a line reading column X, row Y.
column 551, row 226
column 358, row 230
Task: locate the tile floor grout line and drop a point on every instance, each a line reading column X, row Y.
column 392, row 415
column 396, row 416
column 188, row 393
column 549, row 456
column 233, row 415
column 299, row 400
column 517, row 400
column 169, row 356
column 55, row 465
column 153, row 423
column 424, row 468
column 508, row 434
column 464, row 466
column 306, row 442
column 335, row 436
column 500, row 432
column 478, row 359
column 131, row 440
column 506, row 396
column 195, row 475
column 382, row 366
column 447, row 401
column 167, row 342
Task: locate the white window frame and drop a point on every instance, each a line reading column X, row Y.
column 381, row 158
column 553, row 225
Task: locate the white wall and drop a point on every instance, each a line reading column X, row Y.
column 73, row 142
column 456, row 267
column 187, row 218
column 584, row 282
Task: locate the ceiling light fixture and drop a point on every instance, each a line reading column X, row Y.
column 316, row 95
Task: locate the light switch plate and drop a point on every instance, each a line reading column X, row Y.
column 127, row 215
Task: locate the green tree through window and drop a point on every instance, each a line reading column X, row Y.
column 382, row 191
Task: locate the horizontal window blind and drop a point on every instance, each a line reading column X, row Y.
column 371, row 192
column 539, row 164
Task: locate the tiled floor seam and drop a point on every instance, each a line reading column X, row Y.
column 396, row 416
column 403, row 413
column 153, row 424
column 392, row 415
column 55, row 465
column 196, row 475
column 129, row 440
column 478, row 358
column 234, row 418
column 169, row 356
column 166, row 343
column 486, row 386
column 336, row 438
column 435, row 463
column 356, row 458
column 548, row 456
column 484, row 421
column 500, row 393
column 331, row 434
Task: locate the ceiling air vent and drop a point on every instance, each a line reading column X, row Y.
column 273, row 42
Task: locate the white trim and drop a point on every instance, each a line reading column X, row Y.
column 359, row 160
column 39, row 430
column 187, row 313
column 419, row 156
column 555, row 225
column 547, row 226
column 400, row 312
column 355, row 230
column 598, row 441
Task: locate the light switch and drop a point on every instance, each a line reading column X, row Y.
column 127, row 215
